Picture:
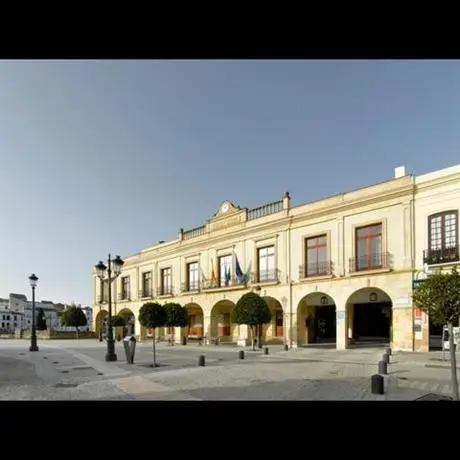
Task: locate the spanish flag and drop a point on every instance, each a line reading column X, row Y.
column 213, row 273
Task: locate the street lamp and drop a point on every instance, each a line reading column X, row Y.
column 113, row 266
column 33, row 338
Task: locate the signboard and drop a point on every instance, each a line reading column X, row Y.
column 445, row 337
column 402, row 300
column 417, row 283
column 340, row 315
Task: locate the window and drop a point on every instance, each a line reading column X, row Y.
column 147, row 284
column 15, row 317
column 166, row 281
column 266, row 261
column 369, row 247
column 125, row 288
column 192, row 276
column 225, row 271
column 105, row 291
column 316, row 263
column 442, row 237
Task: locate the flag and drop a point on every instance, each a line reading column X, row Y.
column 238, row 272
column 227, row 275
column 213, row 273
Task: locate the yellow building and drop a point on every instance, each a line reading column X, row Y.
column 337, row 270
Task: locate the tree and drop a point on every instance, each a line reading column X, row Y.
column 439, row 297
column 74, row 317
column 252, row 310
column 118, row 321
column 41, row 320
column 152, row 315
column 176, row 316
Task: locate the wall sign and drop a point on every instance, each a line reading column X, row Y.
column 340, row 315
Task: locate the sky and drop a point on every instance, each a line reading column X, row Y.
column 112, row 156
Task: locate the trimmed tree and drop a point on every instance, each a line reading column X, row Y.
column 151, row 316
column 74, row 317
column 252, row 310
column 41, row 320
column 176, row 316
column 439, row 297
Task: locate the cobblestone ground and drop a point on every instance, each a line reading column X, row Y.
column 76, row 370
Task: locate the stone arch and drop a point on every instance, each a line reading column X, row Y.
column 221, row 323
column 273, row 333
column 130, row 323
column 369, row 316
column 100, row 322
column 316, row 319
column 195, row 327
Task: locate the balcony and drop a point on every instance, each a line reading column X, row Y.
column 265, row 276
column 190, row 287
column 146, row 293
column 165, row 290
column 441, row 256
column 124, row 296
column 101, row 299
column 368, row 262
column 232, row 283
column 322, row 268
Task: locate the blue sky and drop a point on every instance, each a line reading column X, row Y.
column 100, row 156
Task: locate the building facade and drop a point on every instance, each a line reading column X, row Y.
column 337, row 270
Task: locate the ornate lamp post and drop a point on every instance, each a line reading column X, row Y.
column 113, row 270
column 33, row 338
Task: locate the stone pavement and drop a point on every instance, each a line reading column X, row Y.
column 65, row 370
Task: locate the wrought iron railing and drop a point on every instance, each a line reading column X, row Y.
column 165, row 290
column 124, row 296
column 217, row 284
column 374, row 261
column 322, row 268
column 145, row 293
column 190, row 286
column 441, row 256
column 265, row 276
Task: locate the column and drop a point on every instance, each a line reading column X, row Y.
column 243, row 336
column 342, row 329
column 207, row 326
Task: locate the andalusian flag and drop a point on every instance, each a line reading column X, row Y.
column 213, row 273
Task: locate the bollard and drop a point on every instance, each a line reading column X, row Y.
column 286, row 347
column 386, row 358
column 388, row 351
column 383, row 368
column 377, row 385
column 184, row 340
column 266, row 351
column 201, row 360
column 241, row 354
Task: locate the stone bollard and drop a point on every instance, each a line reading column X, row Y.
column 266, row 351
column 386, row 358
column 383, row 368
column 377, row 385
column 388, row 351
column 286, row 347
column 241, row 354
column 201, row 360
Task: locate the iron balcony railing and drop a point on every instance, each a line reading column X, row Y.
column 124, row 296
column 322, row 268
column 441, row 256
column 374, row 261
column 218, row 284
column 190, row 286
column 265, row 276
column 145, row 293
column 101, row 299
column 165, row 290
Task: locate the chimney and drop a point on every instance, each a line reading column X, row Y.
column 400, row 171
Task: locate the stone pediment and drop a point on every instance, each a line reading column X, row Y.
column 227, row 215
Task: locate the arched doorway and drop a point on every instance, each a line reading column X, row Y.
column 221, row 324
column 100, row 323
column 316, row 319
column 369, row 316
column 130, row 323
column 195, row 327
column 273, row 333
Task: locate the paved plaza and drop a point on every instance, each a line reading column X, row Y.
column 76, row 370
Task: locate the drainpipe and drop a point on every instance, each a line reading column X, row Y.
column 290, row 285
column 413, row 257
